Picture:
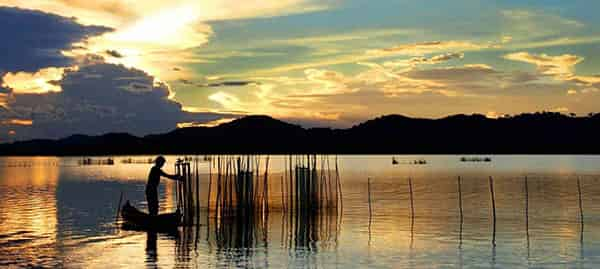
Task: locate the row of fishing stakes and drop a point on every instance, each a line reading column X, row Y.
column 240, row 187
column 493, row 207
column 311, row 186
column 188, row 202
column 241, row 190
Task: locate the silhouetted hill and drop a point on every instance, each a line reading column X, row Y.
column 537, row 133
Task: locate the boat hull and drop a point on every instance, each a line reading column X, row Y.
column 138, row 220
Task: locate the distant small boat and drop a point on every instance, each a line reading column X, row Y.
column 420, row 162
column 476, row 159
column 90, row 161
column 394, row 161
column 137, row 161
column 136, row 219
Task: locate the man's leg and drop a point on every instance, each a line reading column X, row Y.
column 152, row 198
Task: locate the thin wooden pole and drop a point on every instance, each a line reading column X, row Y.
column 177, row 194
column 493, row 210
column 412, row 205
column 282, row 196
column 369, row 193
column 339, row 187
column 210, row 164
column 291, row 186
column 580, row 208
column 266, row 186
column 460, row 208
column 370, row 208
column 460, row 203
column 219, row 190
column 527, row 214
column 190, row 189
column 119, row 207
column 197, row 182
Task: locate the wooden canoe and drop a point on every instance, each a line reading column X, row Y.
column 136, row 219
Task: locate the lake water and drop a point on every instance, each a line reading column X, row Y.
column 56, row 213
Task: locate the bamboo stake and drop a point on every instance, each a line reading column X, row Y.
column 329, row 183
column 291, row 186
column 527, row 214
column 460, row 203
column 119, row 207
column 580, row 208
column 370, row 208
column 218, row 198
column 282, row 195
column 460, row 207
column 412, row 205
column 197, row 195
column 493, row 210
column 177, row 194
column 339, row 187
column 284, row 186
column 189, row 189
column 266, row 187
column 209, row 187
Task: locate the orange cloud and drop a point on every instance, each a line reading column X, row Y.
column 20, row 122
column 42, row 81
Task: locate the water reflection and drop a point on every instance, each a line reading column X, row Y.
column 151, row 249
column 63, row 216
column 28, row 221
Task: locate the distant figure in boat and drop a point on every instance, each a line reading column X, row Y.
column 153, row 181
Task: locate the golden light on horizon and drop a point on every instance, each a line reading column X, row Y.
column 21, row 122
column 213, row 123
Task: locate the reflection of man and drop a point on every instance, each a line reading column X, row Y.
column 153, row 181
column 151, row 252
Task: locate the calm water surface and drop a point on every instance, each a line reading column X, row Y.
column 55, row 213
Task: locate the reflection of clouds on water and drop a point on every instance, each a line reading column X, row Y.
column 64, row 215
column 28, row 212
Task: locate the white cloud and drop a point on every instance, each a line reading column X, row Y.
column 427, row 47
column 560, row 67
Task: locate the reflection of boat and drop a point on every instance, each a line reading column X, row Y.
column 136, row 219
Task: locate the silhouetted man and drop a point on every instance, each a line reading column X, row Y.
column 153, row 181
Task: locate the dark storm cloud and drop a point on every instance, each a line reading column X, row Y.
column 229, row 84
column 121, row 100
column 4, row 89
column 240, row 83
column 458, row 73
column 32, row 40
column 114, row 53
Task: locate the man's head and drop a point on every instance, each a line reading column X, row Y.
column 160, row 161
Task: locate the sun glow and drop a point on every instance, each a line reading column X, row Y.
column 154, row 43
column 170, row 27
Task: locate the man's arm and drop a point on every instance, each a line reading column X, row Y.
column 173, row 177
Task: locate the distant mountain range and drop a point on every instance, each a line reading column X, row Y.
column 537, row 133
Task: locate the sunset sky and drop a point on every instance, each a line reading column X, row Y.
column 92, row 67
